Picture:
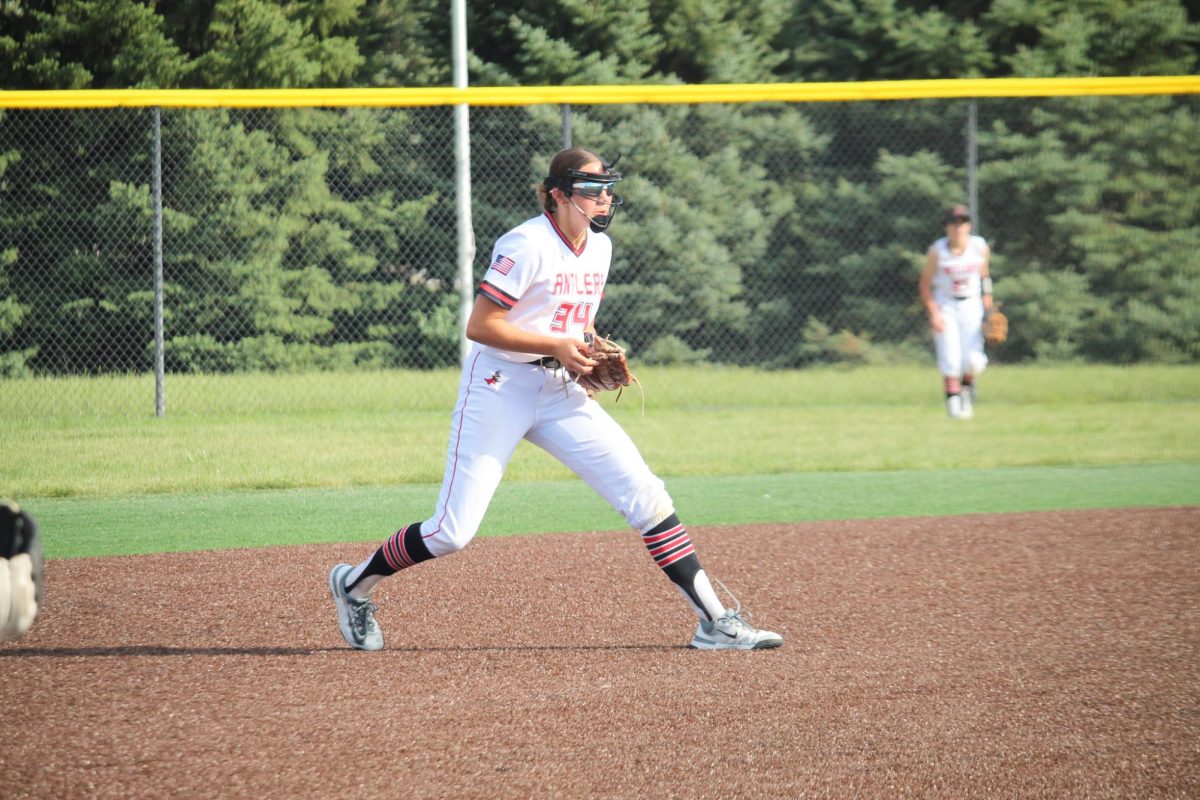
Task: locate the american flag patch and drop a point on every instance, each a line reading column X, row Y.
column 503, row 264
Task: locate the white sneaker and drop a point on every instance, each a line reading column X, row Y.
column 968, row 403
column 731, row 632
column 954, row 406
column 356, row 618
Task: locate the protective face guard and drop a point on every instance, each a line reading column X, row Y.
column 591, row 185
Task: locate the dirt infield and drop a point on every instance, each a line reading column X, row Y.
column 1023, row 655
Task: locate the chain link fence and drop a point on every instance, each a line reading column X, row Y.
column 321, row 240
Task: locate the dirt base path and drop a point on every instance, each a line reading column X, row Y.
column 1023, row 655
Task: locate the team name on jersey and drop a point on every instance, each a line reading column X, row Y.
column 574, row 283
column 960, row 269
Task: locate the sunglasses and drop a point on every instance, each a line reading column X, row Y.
column 958, row 220
column 592, row 189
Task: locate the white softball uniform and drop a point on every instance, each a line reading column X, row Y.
column 550, row 288
column 957, row 291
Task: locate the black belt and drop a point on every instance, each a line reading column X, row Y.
column 965, row 297
column 547, row 361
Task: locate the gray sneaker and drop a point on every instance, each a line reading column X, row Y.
column 733, row 631
column 356, row 618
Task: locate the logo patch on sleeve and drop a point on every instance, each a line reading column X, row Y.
column 503, row 264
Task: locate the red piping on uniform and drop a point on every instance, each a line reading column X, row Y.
column 496, row 296
column 566, row 241
column 457, row 442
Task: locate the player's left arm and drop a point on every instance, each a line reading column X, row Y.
column 985, row 277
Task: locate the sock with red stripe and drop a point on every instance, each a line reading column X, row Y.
column 673, row 551
column 403, row 549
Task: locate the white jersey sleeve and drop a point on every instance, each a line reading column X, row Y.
column 515, row 262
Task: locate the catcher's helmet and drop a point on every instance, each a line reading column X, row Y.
column 20, row 571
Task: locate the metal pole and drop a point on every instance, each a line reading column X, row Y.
column 462, row 169
column 566, row 125
column 160, row 402
column 973, row 162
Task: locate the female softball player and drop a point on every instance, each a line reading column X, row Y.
column 537, row 299
column 953, row 284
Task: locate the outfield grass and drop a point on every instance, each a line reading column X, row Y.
column 390, row 429
column 88, row 526
column 335, row 457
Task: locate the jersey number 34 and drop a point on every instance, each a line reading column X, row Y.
column 568, row 314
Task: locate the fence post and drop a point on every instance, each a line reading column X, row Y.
column 566, row 125
column 160, row 403
column 973, row 162
column 462, row 171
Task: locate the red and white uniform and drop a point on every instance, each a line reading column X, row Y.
column 547, row 287
column 957, row 289
column 550, row 288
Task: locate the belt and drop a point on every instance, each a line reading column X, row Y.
column 547, row 361
column 964, row 297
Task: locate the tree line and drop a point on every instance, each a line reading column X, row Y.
column 765, row 234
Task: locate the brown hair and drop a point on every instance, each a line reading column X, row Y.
column 563, row 162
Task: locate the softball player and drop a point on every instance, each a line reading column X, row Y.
column 537, row 299
column 956, row 289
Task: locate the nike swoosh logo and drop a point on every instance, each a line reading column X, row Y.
column 730, row 635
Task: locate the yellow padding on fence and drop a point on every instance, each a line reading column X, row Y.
column 598, row 95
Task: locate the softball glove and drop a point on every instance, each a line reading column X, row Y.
column 995, row 327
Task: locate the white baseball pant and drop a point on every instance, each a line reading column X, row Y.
column 500, row 403
column 960, row 342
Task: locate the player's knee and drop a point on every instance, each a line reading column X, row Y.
column 447, row 539
column 976, row 363
column 649, row 505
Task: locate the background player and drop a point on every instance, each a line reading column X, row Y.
column 537, row 300
column 953, row 283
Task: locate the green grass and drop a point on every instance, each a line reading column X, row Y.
column 325, row 457
column 167, row 523
column 386, row 429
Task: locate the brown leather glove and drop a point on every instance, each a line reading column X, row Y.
column 995, row 327
column 611, row 372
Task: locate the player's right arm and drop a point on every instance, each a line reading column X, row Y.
column 487, row 326
column 926, row 288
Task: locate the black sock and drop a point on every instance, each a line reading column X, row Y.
column 672, row 549
column 403, row 549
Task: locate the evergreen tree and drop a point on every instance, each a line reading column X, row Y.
column 86, row 44
column 743, row 222
column 1093, row 199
